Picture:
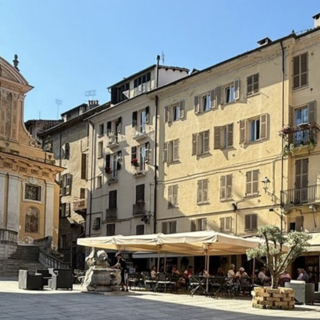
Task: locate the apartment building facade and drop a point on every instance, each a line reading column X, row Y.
column 121, row 161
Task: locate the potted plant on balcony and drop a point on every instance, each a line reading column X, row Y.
column 134, row 162
column 108, row 170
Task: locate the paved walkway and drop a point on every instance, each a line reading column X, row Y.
column 75, row 305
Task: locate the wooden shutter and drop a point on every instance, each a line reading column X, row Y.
column 148, row 152
column 182, row 109
column 119, row 125
column 254, row 221
column 229, row 186
column 147, row 114
column 175, row 194
column 166, row 114
column 263, row 126
column 228, row 224
column 248, row 182
column 296, row 72
column 165, row 152
column 291, row 116
column 222, row 223
column 170, row 151
column 206, row 141
column 236, row 84
column 247, row 222
column 170, row 196
column 173, row 226
column 255, row 181
column 194, row 143
column 304, row 69
column 205, row 190
column 133, row 153
column 312, row 112
column 175, row 151
column 218, row 95
column 83, row 166
column 256, row 83
column 134, row 118
column 109, row 128
column 230, row 135
column 249, row 85
column 217, row 138
column 242, row 138
column 223, row 187
column 164, row 227
column 199, row 191
column 196, row 105
column 213, row 99
column 193, row 225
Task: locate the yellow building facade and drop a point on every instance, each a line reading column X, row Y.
column 29, row 194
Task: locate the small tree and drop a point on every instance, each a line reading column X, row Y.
column 279, row 250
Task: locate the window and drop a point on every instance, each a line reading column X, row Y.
column 301, row 183
column 169, row 227
column 223, row 137
column 140, row 119
column 254, row 129
column 199, row 224
column 200, row 143
column 96, row 225
column 206, row 101
column 140, row 194
column 250, row 222
column 252, row 183
column 113, row 129
column 101, row 129
column 32, row 220
column 175, row 112
column 139, row 229
column 120, row 93
column 142, row 83
column 84, row 161
column 99, row 182
column 253, row 84
column 140, row 156
column 202, row 196
column 172, row 196
column 65, row 184
column 82, row 193
column 112, row 166
column 226, row 224
column 100, row 149
column 300, row 70
column 67, row 151
column 113, row 199
column 226, row 187
column 111, row 229
column 231, row 92
column 171, row 151
column 32, row 192
column 65, row 210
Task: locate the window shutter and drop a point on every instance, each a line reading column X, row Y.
column 109, row 126
column 194, row 143
column 175, row 194
column 213, row 99
column 228, row 224
column 222, row 223
column 164, row 227
column 249, row 85
column 254, row 221
column 229, row 186
column 148, row 152
column 217, row 138
column 108, row 160
column 170, row 151
column 242, row 138
column 296, row 72
column 255, row 181
column 175, row 148
column 193, row 225
column 248, row 182
column 304, row 69
column 256, row 83
column 230, row 135
column 166, row 114
column 218, row 95
column 83, row 166
column 312, row 112
column 173, row 227
column 170, row 196
column 147, row 114
column 236, row 84
column 206, row 135
column 263, row 126
column 196, row 105
column 205, row 190
column 223, row 187
column 134, row 118
column 204, row 224
column 119, row 125
column 291, row 117
column 165, row 152
column 133, row 153
column 182, row 109
column 298, row 174
column 199, row 191
column 247, row 224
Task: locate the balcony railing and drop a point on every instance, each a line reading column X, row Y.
column 111, row 213
column 301, row 196
column 138, row 209
column 8, row 236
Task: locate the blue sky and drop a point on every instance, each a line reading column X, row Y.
column 68, row 47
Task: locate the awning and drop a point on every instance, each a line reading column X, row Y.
column 314, row 242
column 149, row 255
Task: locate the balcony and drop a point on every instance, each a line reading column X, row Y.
column 80, row 205
column 139, row 209
column 301, row 196
column 140, row 135
column 113, row 141
column 111, row 213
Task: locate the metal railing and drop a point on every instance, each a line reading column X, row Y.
column 138, row 209
column 301, row 196
column 111, row 213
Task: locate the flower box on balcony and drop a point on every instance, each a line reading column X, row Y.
column 107, row 170
column 135, row 162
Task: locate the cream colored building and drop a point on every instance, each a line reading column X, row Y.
column 122, row 155
column 29, row 194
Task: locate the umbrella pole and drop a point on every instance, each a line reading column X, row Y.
column 158, row 264
column 207, row 269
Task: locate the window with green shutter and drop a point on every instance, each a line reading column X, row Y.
column 300, row 70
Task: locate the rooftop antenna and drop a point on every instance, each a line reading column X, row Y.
column 162, row 57
column 90, row 94
column 58, row 103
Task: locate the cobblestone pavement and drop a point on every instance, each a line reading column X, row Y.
column 76, row 304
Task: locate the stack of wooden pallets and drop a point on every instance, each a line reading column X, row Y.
column 268, row 298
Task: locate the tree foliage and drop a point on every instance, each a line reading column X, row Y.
column 278, row 250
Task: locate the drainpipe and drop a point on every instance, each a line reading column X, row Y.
column 282, row 139
column 92, row 174
column 155, row 167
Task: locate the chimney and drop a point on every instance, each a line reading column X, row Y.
column 316, row 20
column 264, row 41
column 93, row 103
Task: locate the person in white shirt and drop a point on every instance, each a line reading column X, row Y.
column 231, row 273
column 262, row 276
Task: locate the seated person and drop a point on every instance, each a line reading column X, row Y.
column 153, row 272
column 303, row 275
column 284, row 277
column 220, row 272
column 231, row 273
column 188, row 273
column 263, row 278
column 241, row 273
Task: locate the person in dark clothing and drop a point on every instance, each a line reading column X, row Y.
column 122, row 265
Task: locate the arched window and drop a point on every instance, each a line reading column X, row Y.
column 32, row 220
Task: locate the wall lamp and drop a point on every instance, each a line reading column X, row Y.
column 265, row 182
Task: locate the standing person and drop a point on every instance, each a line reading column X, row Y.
column 153, row 273
column 122, row 265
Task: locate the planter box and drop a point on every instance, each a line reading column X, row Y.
column 268, row 298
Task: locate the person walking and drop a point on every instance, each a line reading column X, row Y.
column 122, row 265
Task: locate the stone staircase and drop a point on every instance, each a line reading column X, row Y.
column 25, row 257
